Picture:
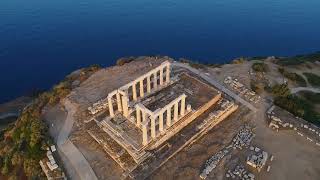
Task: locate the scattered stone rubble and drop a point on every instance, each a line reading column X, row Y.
column 241, row 89
column 243, row 138
column 50, row 166
column 276, row 123
column 213, row 162
column 241, row 173
column 258, row 159
column 98, row 106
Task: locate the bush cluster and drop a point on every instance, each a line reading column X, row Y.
column 300, row 59
column 260, row 67
column 294, row 104
column 23, row 144
column 296, row 78
column 313, row 79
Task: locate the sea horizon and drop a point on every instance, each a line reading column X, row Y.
column 41, row 42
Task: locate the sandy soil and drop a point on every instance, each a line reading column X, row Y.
column 295, row 158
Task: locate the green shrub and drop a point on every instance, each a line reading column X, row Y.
column 296, row 78
column 298, row 107
column 260, row 67
column 313, row 79
column 310, row 96
column 280, row 90
column 23, row 144
column 198, row 65
column 300, row 59
column 124, row 60
column 257, row 87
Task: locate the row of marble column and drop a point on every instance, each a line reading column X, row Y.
column 154, row 73
column 149, row 120
column 122, row 95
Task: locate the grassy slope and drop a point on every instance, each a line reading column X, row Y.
column 300, row 59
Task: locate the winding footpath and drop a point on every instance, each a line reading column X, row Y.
column 298, row 89
column 217, row 85
column 76, row 158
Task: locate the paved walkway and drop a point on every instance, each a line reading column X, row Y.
column 216, row 84
column 298, row 89
column 76, row 158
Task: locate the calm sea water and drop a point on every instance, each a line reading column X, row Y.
column 41, row 41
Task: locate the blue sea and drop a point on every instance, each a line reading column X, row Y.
column 41, row 41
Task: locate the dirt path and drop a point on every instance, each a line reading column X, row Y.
column 70, row 151
column 295, row 158
column 298, row 89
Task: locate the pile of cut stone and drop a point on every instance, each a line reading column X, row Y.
column 240, row 173
column 212, row 163
column 243, row 138
column 257, row 160
column 98, row 106
column 276, row 123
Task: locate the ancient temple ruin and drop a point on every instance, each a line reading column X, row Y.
column 143, row 114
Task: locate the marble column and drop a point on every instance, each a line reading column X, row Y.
column 145, row 133
column 148, row 84
column 125, row 105
column 141, row 88
column 161, row 76
column 138, row 114
column 110, row 107
column 169, row 116
column 134, row 91
column 161, row 121
column 119, row 102
column 143, row 115
column 183, row 106
column 155, row 80
column 153, row 126
column 168, row 74
column 176, row 111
